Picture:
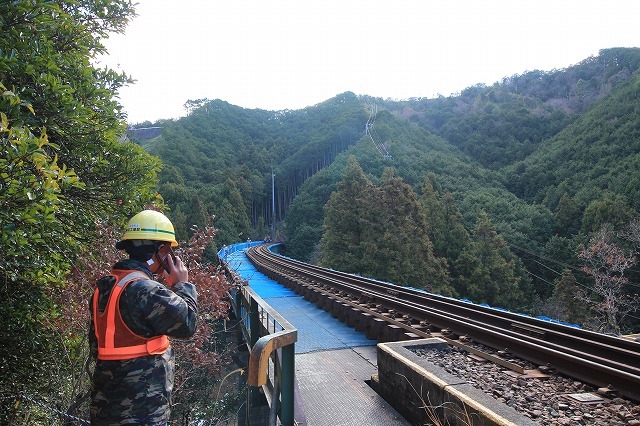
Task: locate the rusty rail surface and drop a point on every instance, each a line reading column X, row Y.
column 389, row 312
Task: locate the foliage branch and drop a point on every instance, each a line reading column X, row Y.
column 64, row 167
column 607, row 264
column 197, row 359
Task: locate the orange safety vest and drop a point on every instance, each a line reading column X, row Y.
column 116, row 341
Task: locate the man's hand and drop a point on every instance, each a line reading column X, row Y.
column 177, row 273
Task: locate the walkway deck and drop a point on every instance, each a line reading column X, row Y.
column 332, row 360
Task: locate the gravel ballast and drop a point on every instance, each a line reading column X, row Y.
column 553, row 400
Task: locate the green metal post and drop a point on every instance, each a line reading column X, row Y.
column 238, row 301
column 254, row 322
column 253, row 401
column 287, row 385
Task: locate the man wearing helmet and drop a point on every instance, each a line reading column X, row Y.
column 133, row 317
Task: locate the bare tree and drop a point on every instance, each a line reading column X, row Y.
column 631, row 233
column 607, row 263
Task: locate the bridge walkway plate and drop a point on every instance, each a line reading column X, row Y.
column 332, row 360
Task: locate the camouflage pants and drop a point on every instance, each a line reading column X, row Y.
column 136, row 391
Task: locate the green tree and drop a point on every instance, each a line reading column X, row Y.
column 569, row 306
column 444, row 222
column 306, row 212
column 304, row 226
column 231, row 215
column 32, row 184
column 395, row 242
column 609, row 210
column 340, row 245
column 489, row 272
column 198, row 215
column 48, row 48
column 457, row 236
column 566, row 215
column 557, row 254
column 435, row 217
column 180, row 223
column 64, row 168
column 305, row 237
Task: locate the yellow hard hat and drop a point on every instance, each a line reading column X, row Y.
column 150, row 225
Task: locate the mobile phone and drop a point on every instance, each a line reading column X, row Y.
column 167, row 257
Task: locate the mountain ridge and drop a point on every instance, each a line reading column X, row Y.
column 519, row 150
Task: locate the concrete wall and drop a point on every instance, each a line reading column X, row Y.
column 420, row 390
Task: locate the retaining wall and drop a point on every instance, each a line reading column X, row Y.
column 419, row 390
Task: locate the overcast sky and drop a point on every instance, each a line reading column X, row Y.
column 289, row 54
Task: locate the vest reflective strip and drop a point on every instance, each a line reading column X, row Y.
column 154, row 346
column 111, row 312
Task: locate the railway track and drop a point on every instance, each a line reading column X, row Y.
column 387, row 312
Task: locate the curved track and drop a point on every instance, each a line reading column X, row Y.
column 389, row 312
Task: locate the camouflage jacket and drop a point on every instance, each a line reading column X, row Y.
column 138, row 391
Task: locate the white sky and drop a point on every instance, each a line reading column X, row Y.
column 289, row 54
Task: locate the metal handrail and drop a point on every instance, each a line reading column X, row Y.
column 274, row 332
column 262, row 351
column 268, row 336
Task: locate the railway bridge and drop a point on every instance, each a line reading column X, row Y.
column 329, row 348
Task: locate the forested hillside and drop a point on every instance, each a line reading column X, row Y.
column 532, row 166
column 219, row 160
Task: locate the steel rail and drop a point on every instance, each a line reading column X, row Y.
column 577, row 335
column 610, row 348
column 603, row 360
